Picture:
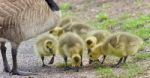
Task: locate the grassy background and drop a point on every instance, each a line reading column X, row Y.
column 138, row 24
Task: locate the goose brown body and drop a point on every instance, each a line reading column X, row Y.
column 21, row 20
column 24, row 21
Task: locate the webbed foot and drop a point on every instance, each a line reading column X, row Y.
column 115, row 66
column 67, row 68
column 44, row 65
column 7, row 69
column 21, row 73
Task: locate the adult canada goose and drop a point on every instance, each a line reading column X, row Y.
column 21, row 20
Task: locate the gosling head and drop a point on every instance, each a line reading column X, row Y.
column 76, row 61
column 49, row 46
column 91, row 41
column 94, row 54
column 57, row 31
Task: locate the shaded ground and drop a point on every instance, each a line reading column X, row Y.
column 88, row 9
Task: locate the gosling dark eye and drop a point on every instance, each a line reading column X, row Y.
column 90, row 55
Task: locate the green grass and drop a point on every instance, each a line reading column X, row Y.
column 146, row 43
column 102, row 16
column 128, row 70
column 66, row 9
column 103, row 21
column 65, row 6
column 124, row 20
column 106, row 72
column 131, row 70
column 143, row 32
column 68, row 13
column 135, row 25
column 127, row 23
column 135, row 22
column 141, row 56
column 108, row 24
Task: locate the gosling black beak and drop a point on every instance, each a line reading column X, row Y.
column 90, row 61
column 50, row 50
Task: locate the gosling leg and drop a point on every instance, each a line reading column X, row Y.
column 125, row 58
column 104, row 57
column 42, row 58
column 118, row 64
column 66, row 65
column 81, row 61
column 52, row 59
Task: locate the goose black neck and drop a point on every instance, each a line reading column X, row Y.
column 52, row 5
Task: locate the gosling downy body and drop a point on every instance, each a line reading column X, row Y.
column 68, row 20
column 120, row 44
column 46, row 45
column 71, row 46
column 96, row 37
column 79, row 28
column 64, row 25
